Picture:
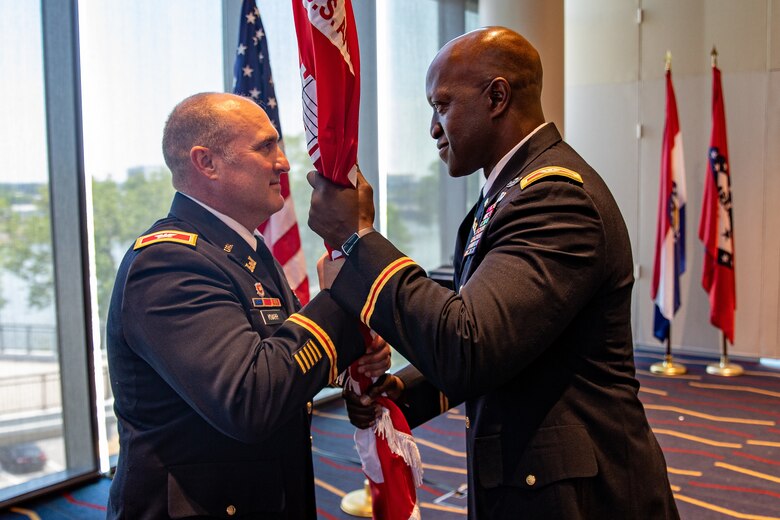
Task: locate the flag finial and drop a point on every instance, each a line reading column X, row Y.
column 714, row 56
column 668, row 61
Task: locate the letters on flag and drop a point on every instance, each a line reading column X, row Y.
column 716, row 229
column 670, row 234
column 330, row 75
column 253, row 79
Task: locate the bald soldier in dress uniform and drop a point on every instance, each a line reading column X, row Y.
column 213, row 363
column 536, row 339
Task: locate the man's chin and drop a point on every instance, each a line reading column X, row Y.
column 455, row 172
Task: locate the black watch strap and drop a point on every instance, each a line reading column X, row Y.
column 349, row 244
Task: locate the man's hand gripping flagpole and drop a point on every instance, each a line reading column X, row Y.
column 330, row 75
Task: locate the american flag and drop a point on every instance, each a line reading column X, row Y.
column 252, row 78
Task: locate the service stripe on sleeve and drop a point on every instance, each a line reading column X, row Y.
column 379, row 284
column 300, row 362
column 322, row 338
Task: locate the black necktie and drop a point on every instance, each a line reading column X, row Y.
column 268, row 261
column 479, row 212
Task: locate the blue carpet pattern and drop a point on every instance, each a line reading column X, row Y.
column 721, row 438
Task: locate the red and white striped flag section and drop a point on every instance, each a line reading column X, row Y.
column 330, row 74
column 716, row 228
column 670, row 234
column 252, row 75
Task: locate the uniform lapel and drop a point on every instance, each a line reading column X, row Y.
column 526, row 155
column 460, row 245
column 216, row 232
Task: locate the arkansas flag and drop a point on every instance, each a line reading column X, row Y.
column 670, row 234
column 716, row 224
column 330, row 74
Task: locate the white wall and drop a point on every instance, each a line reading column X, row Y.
column 614, row 82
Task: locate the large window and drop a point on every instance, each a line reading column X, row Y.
column 85, row 91
column 31, row 440
column 138, row 59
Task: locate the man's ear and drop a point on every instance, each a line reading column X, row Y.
column 202, row 160
column 499, row 93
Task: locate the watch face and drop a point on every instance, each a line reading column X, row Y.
column 346, row 248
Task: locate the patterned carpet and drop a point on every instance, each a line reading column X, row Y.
column 721, row 438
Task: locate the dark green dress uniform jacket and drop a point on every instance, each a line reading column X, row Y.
column 211, row 376
column 537, row 342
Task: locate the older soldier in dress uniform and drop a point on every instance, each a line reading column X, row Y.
column 536, row 338
column 213, row 363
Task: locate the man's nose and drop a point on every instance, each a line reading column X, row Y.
column 436, row 130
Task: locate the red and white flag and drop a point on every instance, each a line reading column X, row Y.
column 330, row 74
column 669, row 262
column 716, row 229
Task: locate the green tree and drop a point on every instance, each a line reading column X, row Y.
column 30, row 252
column 397, row 230
column 121, row 212
column 6, row 216
column 300, row 165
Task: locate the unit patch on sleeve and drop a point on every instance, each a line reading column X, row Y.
column 180, row 237
column 550, row 171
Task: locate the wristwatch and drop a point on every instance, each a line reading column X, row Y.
column 347, row 246
column 350, row 243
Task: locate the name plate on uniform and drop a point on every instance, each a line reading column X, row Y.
column 272, row 317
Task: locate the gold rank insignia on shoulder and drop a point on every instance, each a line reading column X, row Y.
column 179, row 237
column 550, row 171
column 250, row 264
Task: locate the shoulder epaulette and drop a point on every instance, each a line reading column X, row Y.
column 550, row 171
column 180, row 237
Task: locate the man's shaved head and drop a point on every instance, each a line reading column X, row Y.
column 492, row 52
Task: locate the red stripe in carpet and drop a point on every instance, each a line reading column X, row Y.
column 78, row 502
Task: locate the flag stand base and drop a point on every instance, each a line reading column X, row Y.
column 725, row 368
column 358, row 502
column 668, row 368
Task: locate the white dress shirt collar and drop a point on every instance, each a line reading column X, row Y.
column 231, row 223
column 505, row 159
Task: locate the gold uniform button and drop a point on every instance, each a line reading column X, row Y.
column 468, row 423
column 308, row 407
column 530, row 480
column 231, row 510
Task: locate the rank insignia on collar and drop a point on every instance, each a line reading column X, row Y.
column 250, row 264
column 228, row 248
column 259, row 289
